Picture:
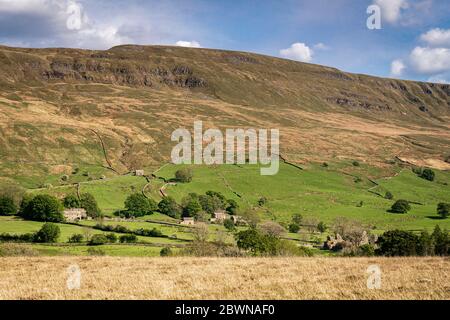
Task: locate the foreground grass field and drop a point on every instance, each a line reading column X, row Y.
column 216, row 278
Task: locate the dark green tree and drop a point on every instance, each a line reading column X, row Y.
column 192, row 208
column 49, row 233
column 43, row 208
column 229, row 225
column 137, row 205
column 443, row 209
column 98, row 240
column 89, row 204
column 169, row 207
column 427, row 174
column 294, row 228
column 232, row 207
column 184, row 175
column 256, row 242
column 71, row 201
column 441, row 241
column 7, row 206
column 398, row 243
column 400, row 206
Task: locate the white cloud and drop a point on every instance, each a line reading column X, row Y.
column 188, row 44
column 391, row 10
column 397, row 68
column 298, row 51
column 439, row 79
column 430, row 60
column 437, row 37
column 321, row 46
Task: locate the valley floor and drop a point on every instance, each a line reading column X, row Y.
column 222, row 278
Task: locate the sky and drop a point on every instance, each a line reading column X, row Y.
column 405, row 39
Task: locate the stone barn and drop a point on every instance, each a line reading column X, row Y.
column 187, row 221
column 75, row 214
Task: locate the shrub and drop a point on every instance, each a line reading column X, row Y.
column 128, row 238
column 112, row 238
column 389, row 195
column 7, row 206
column 355, row 163
column 322, row 227
column 97, row 240
column 184, row 175
column 232, row 207
column 76, row 238
column 27, row 237
column 290, row 249
column 169, row 207
column 65, row 177
column 137, row 205
column 427, row 174
column 325, row 165
column 70, row 201
column 43, row 208
column 294, row 228
column 88, row 203
column 400, row 206
column 443, row 209
column 165, row 252
column 398, row 243
column 229, row 225
column 49, row 233
column 366, row 250
column 262, row 201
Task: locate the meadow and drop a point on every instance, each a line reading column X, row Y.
column 223, row 278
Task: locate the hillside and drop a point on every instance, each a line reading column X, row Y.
column 59, row 107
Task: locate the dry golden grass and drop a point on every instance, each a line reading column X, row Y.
column 224, row 278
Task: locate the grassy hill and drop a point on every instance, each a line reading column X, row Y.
column 95, row 113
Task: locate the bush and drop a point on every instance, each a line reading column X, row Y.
column 7, row 206
column 232, row 207
column 366, row 250
column 169, row 207
column 165, row 252
column 322, row 227
column 88, row 203
column 229, row 225
column 70, row 201
column 441, row 241
column 398, row 243
column 27, row 237
column 262, row 201
column 389, row 195
column 112, row 238
column 184, row 175
column 97, row 240
column 76, row 238
column 128, row 238
column 290, row 249
column 294, row 228
column 256, row 242
column 355, row 163
column 137, row 205
column 400, row 206
column 443, row 209
column 427, row 174
column 49, row 233
column 43, row 208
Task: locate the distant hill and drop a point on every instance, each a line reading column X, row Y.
column 65, row 109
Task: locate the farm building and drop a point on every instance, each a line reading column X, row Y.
column 187, row 221
column 75, row 214
column 220, row 216
column 139, row 173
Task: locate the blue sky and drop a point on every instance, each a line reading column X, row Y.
column 413, row 43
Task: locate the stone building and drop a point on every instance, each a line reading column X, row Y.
column 75, row 214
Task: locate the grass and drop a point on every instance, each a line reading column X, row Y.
column 223, row 278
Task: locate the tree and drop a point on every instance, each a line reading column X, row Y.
column 137, row 205
column 400, row 206
column 256, row 242
column 76, row 238
column 443, row 209
column 211, row 203
column 272, row 228
column 70, row 201
column 49, row 233
column 89, row 204
column 389, row 195
column 165, row 252
column 43, row 208
column 232, row 207
column 169, row 207
column 229, row 225
column 322, row 227
column 425, row 245
column 427, row 174
column 192, row 208
column 7, row 206
column 441, row 241
column 184, row 175
column 294, row 228
column 112, row 238
column 128, row 238
column 398, row 243
column 97, row 240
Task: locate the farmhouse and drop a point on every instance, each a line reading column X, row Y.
column 187, row 221
column 75, row 214
column 139, row 173
column 220, row 216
